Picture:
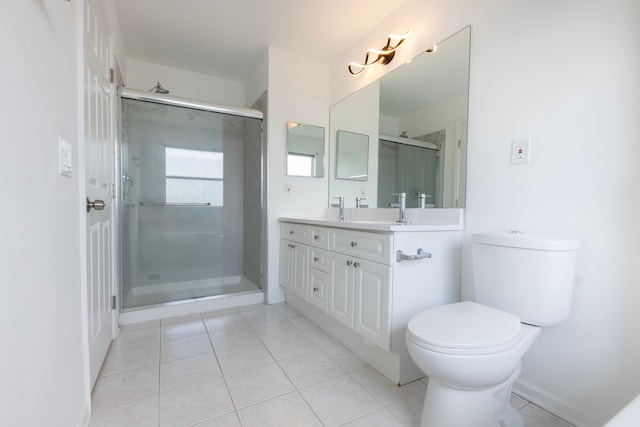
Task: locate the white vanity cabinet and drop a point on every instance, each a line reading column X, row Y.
column 363, row 285
column 359, row 295
column 303, row 262
column 294, row 258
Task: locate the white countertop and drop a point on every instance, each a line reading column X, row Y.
column 385, row 220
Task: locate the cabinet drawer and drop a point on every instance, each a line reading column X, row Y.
column 371, row 246
column 295, row 232
column 318, row 259
column 319, row 237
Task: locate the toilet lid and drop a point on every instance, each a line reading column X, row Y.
column 465, row 326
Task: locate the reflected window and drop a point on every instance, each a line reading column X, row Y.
column 194, row 176
column 301, row 164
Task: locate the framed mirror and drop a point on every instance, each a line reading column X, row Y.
column 416, row 121
column 305, row 150
column 352, row 155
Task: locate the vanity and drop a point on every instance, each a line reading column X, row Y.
column 363, row 278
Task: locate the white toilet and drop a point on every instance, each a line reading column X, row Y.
column 471, row 351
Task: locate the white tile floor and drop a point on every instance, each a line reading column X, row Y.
column 252, row 366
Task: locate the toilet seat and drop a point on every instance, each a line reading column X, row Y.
column 464, row 328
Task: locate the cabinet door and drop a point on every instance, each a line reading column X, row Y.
column 285, row 264
column 300, row 269
column 341, row 290
column 372, row 302
column 319, row 283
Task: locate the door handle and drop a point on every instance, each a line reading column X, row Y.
column 97, row 205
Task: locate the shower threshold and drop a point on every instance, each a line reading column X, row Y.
column 139, row 297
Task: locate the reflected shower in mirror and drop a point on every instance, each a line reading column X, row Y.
column 305, row 150
column 352, row 155
column 416, row 120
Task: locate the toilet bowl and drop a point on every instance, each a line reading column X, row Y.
column 471, row 354
column 471, row 351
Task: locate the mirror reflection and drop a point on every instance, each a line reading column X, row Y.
column 305, row 150
column 352, row 156
column 416, row 120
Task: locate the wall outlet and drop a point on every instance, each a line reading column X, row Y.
column 521, row 151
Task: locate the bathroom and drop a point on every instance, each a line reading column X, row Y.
column 563, row 75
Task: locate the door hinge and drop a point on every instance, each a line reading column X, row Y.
column 113, row 302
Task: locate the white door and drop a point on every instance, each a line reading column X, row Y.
column 98, row 98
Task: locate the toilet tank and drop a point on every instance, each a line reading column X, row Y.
column 528, row 275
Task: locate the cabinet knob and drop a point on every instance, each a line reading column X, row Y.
column 356, row 264
column 315, row 289
column 349, row 262
column 316, row 237
column 291, row 232
column 293, row 246
column 353, row 244
column 316, row 259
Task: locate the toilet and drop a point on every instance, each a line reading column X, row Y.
column 471, row 351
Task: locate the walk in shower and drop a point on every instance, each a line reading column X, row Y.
column 191, row 208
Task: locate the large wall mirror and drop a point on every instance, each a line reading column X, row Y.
column 305, row 150
column 416, row 121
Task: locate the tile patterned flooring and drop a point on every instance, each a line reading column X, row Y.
column 249, row 366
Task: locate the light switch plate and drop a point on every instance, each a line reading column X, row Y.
column 64, row 157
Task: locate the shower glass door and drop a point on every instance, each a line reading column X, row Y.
column 191, row 212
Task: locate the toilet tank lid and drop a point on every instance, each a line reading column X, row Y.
column 519, row 239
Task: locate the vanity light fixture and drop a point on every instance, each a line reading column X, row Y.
column 379, row 56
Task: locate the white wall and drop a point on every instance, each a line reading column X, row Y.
column 564, row 74
column 298, row 92
column 42, row 380
column 143, row 75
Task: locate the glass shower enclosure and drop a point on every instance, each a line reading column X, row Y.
column 191, row 200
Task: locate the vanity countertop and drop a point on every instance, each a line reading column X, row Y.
column 385, row 220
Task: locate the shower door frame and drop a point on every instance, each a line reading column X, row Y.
column 158, row 98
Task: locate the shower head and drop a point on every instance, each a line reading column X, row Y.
column 159, row 89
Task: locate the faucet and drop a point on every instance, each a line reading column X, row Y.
column 340, row 205
column 359, row 201
column 402, row 205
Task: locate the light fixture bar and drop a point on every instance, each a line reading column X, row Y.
column 381, row 56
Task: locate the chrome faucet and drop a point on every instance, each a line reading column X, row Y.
column 359, row 201
column 402, row 205
column 340, row 205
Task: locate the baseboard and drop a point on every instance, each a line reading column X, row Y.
column 554, row 404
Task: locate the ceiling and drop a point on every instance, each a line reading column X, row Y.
column 226, row 38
